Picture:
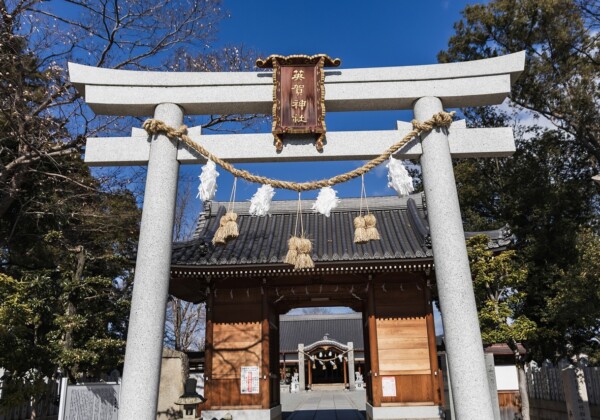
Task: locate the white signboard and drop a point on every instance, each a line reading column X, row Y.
column 506, row 378
column 250, row 378
column 388, row 386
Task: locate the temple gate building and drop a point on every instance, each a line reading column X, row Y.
column 248, row 289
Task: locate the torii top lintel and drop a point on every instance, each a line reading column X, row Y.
column 127, row 92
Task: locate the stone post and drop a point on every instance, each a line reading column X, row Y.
column 141, row 374
column 448, row 384
column 491, row 375
column 64, row 383
column 301, row 379
column 576, row 397
column 461, row 326
column 351, row 373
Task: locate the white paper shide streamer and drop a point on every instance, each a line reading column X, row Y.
column 398, row 177
column 260, row 203
column 326, row 201
column 208, row 181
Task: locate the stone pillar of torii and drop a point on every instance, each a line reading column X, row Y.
column 425, row 89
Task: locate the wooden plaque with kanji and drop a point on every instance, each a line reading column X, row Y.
column 298, row 95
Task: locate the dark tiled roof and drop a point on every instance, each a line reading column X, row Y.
column 307, row 329
column 401, row 222
column 499, row 238
column 263, row 240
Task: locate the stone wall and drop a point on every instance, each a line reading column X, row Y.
column 173, row 373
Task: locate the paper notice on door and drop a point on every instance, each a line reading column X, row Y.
column 388, row 386
column 250, row 379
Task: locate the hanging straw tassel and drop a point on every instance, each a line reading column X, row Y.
column 304, row 260
column 360, row 224
column 228, row 227
column 364, row 226
column 371, row 232
column 231, row 227
column 299, row 247
column 292, row 254
column 219, row 238
column 360, row 231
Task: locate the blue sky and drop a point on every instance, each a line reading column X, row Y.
column 362, row 34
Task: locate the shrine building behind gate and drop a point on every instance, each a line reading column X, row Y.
column 330, row 341
column 247, row 288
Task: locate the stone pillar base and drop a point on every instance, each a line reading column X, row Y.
column 421, row 412
column 257, row 414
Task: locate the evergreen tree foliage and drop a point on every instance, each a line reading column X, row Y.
column 498, row 282
column 68, row 236
column 544, row 192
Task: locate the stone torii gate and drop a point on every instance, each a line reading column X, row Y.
column 425, row 89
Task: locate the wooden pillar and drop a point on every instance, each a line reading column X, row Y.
column 345, row 373
column 265, row 391
column 208, row 351
column 374, row 351
column 309, row 374
column 438, row 394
